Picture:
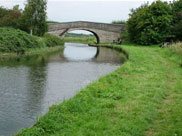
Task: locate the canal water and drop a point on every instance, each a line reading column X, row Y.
column 29, row 87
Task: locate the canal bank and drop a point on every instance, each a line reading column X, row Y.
column 15, row 43
column 29, row 53
column 143, row 97
column 30, row 85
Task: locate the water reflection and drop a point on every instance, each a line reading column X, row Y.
column 75, row 52
column 29, row 87
column 36, row 84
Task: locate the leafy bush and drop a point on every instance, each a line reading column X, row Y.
column 177, row 20
column 12, row 40
column 33, row 17
column 52, row 40
column 125, row 36
column 9, row 18
column 150, row 24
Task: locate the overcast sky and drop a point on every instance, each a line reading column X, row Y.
column 97, row 11
column 86, row 10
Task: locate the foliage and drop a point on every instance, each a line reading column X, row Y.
column 150, row 24
column 10, row 18
column 3, row 12
column 52, row 40
column 143, row 97
column 12, row 40
column 125, row 36
column 34, row 17
column 119, row 22
column 177, row 19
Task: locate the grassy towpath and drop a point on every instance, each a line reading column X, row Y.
column 141, row 98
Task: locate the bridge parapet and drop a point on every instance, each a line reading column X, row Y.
column 119, row 28
column 103, row 32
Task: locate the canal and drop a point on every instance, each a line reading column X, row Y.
column 28, row 88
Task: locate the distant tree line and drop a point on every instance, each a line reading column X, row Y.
column 155, row 23
column 118, row 22
column 32, row 19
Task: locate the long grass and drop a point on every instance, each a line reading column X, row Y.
column 177, row 48
column 16, row 43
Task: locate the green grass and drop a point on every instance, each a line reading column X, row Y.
column 30, row 52
column 176, row 48
column 13, row 40
column 16, row 43
column 141, row 98
column 85, row 40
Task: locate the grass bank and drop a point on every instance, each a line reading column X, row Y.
column 141, row 98
column 16, row 43
column 30, row 53
column 86, row 40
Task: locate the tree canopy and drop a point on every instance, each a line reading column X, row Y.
column 31, row 19
column 34, row 17
column 150, row 24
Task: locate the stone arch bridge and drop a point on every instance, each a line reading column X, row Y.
column 102, row 31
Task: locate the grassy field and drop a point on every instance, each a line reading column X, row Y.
column 141, row 98
column 86, row 40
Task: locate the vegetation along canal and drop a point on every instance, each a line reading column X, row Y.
column 27, row 89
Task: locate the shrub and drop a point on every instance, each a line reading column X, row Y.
column 125, row 36
column 52, row 40
column 12, row 40
column 177, row 20
column 11, row 19
column 150, row 24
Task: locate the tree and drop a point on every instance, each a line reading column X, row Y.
column 16, row 7
column 134, row 23
column 177, row 19
column 9, row 17
column 150, row 24
column 34, row 17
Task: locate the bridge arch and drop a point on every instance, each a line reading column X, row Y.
column 74, row 29
column 102, row 31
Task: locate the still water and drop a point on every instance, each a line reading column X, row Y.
column 28, row 88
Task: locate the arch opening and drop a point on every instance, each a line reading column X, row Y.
column 81, row 33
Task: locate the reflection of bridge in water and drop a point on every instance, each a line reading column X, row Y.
column 102, row 31
column 99, row 55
